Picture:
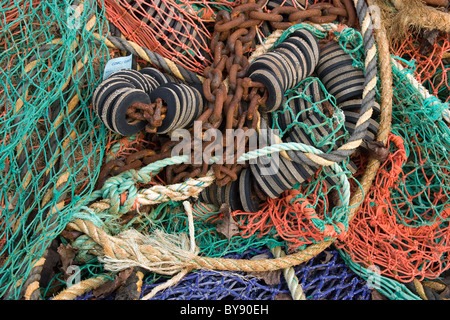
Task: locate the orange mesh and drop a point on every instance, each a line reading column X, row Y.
column 173, row 29
column 13, row 12
column 289, row 217
column 376, row 235
column 432, row 68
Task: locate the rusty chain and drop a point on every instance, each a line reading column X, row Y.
column 233, row 38
column 153, row 113
column 232, row 99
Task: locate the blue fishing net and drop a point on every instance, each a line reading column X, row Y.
column 325, row 277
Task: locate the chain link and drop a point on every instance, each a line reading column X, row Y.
column 232, row 99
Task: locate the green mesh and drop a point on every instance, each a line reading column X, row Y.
column 51, row 142
column 333, row 125
column 52, row 145
column 351, row 42
column 439, row 83
column 390, row 288
column 318, row 190
column 210, row 242
column 425, row 181
column 172, row 218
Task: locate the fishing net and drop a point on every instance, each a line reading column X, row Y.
column 172, row 218
column 325, row 277
column 314, row 210
column 52, row 144
column 402, row 227
column 430, row 57
column 179, row 30
column 417, row 33
column 69, row 180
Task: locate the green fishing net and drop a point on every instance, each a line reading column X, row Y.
column 51, row 142
column 422, row 194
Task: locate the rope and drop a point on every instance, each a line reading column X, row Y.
column 312, row 159
column 291, row 279
column 340, row 154
column 429, row 99
column 174, row 280
column 112, row 245
column 416, row 13
column 82, row 287
column 125, row 182
column 368, row 97
column 115, row 247
column 30, row 288
column 154, row 58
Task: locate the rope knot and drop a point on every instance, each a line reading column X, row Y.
column 116, row 187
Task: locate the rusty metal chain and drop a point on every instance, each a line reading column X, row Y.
column 232, row 38
column 233, row 100
column 153, row 113
column 320, row 13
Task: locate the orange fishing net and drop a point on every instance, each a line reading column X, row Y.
column 431, row 56
column 287, row 217
column 177, row 30
column 303, row 215
column 378, row 235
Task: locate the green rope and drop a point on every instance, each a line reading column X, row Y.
column 126, row 181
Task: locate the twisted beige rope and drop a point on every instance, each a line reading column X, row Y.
column 175, row 192
column 81, row 287
column 417, row 14
column 291, row 279
column 172, row 263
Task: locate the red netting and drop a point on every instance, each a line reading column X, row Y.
column 431, row 55
column 177, row 30
column 298, row 216
column 378, row 235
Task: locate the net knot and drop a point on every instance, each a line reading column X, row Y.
column 434, row 108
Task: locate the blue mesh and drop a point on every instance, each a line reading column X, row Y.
column 332, row 280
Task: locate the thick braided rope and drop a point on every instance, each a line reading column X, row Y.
column 175, row 192
column 312, row 250
column 291, row 279
column 368, row 96
column 422, row 15
column 119, row 249
column 115, row 248
column 288, row 273
column 31, row 285
column 82, row 287
column 154, row 58
column 282, row 262
column 125, row 182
